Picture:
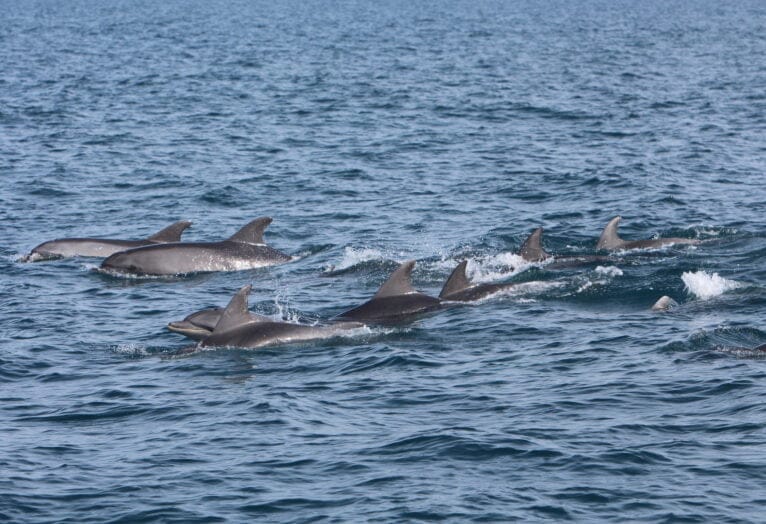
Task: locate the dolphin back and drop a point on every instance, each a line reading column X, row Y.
column 532, row 248
column 399, row 283
column 252, row 233
column 609, row 238
column 457, row 281
column 172, row 233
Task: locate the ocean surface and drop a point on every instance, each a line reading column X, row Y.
column 373, row 133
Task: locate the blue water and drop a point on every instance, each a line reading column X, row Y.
column 375, row 133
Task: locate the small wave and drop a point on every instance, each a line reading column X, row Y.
column 704, row 285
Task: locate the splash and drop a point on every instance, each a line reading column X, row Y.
column 609, row 271
column 353, row 256
column 704, row 285
column 498, row 267
column 131, row 350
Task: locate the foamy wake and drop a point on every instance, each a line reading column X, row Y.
column 704, row 285
column 605, row 273
column 497, row 267
column 609, row 271
column 353, row 256
column 131, row 350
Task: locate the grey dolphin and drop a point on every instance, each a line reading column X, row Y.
column 532, row 248
column 395, row 302
column 100, row 247
column 243, row 250
column 532, row 251
column 611, row 241
column 237, row 328
column 201, row 323
column 459, row 288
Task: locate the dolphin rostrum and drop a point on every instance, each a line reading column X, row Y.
column 237, row 327
column 459, row 288
column 201, row 323
column 611, row 241
column 101, row 247
column 395, row 302
column 243, row 250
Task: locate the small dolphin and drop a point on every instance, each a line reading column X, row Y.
column 459, row 289
column 611, row 241
column 238, row 328
column 200, row 324
column 100, row 247
column 243, row 250
column 532, row 251
column 395, row 302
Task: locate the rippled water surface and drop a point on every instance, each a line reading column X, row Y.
column 375, row 133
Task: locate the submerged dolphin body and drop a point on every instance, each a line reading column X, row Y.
column 532, row 251
column 459, row 288
column 101, row 247
column 201, row 324
column 395, row 302
column 243, row 250
column 238, row 328
column 611, row 241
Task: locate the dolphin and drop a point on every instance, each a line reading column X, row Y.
column 532, row 251
column 459, row 288
column 201, row 323
column 532, row 248
column 243, row 250
column 395, row 302
column 101, row 247
column 611, row 241
column 664, row 303
column 237, row 328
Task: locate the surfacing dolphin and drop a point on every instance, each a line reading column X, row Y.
column 664, row 303
column 243, row 250
column 611, row 241
column 459, row 288
column 201, row 323
column 532, row 251
column 237, row 327
column 395, row 302
column 101, row 247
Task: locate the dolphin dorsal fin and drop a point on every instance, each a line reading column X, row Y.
column 399, row 282
column 609, row 238
column 172, row 233
column 236, row 312
column 532, row 248
column 252, row 233
column 457, row 281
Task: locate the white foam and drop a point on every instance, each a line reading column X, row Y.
column 609, row 271
column 498, row 267
column 353, row 256
column 131, row 350
column 704, row 285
